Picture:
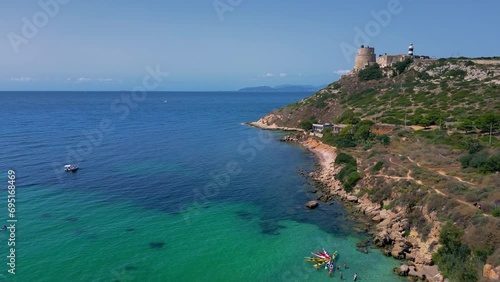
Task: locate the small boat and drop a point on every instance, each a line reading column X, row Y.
column 71, row 168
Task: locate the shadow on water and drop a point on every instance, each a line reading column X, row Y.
column 156, row 245
column 246, row 216
column 130, row 267
column 270, row 227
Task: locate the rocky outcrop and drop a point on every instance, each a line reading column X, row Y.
column 269, row 122
column 293, row 138
column 402, row 270
column 312, row 204
column 493, row 274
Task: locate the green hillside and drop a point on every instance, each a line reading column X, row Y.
column 427, row 92
column 424, row 135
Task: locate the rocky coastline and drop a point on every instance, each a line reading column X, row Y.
column 386, row 227
column 267, row 123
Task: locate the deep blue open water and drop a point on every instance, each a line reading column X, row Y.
column 170, row 188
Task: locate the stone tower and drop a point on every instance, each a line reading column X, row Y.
column 365, row 56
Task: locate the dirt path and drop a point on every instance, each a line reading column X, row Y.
column 456, row 177
column 443, row 173
column 409, row 177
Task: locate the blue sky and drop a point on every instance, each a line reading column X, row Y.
column 224, row 44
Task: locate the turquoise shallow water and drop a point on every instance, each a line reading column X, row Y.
column 178, row 191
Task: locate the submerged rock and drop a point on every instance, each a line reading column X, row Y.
column 363, row 250
column 270, row 227
column 312, row 204
column 402, row 270
column 130, row 267
column 156, row 245
column 363, row 244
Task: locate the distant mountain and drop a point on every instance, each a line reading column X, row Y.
column 283, row 88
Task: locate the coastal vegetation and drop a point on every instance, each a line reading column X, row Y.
column 455, row 259
column 357, row 133
column 308, row 123
column 371, row 72
column 349, row 174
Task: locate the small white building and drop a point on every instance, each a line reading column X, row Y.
column 319, row 127
column 336, row 128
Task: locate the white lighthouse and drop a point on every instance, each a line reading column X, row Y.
column 410, row 50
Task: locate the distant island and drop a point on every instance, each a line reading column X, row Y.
column 283, row 88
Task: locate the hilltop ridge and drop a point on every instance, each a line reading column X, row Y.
column 428, row 90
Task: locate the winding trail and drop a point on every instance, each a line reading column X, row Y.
column 409, row 177
column 443, row 173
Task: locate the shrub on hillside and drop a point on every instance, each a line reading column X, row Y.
column 436, row 202
column 456, row 73
column 377, row 167
column 384, row 139
column 347, row 117
column 381, row 193
column 478, row 195
column 345, row 142
column 496, row 212
column 483, row 253
column 424, row 75
column 343, row 158
column 454, row 258
column 351, row 181
column 402, row 66
column 371, row 72
column 481, row 161
column 349, row 174
column 344, row 172
column 469, row 63
column 308, row 124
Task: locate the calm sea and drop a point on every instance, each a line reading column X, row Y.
column 173, row 187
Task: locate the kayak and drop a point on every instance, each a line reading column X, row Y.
column 321, row 258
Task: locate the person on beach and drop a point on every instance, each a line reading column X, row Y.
column 355, row 276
